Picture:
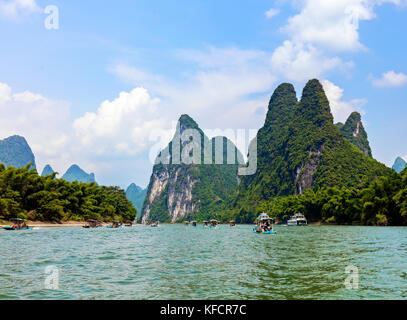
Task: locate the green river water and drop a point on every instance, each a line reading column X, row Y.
column 185, row 262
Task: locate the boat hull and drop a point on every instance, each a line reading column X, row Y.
column 16, row 229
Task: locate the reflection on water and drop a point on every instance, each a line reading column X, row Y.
column 182, row 262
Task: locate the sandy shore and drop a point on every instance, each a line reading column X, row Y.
column 52, row 224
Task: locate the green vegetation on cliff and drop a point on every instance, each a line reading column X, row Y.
column 25, row 194
column 179, row 191
column 300, row 150
column 355, row 133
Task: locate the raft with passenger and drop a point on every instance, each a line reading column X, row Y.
column 91, row 223
column 115, row 225
column 18, row 224
column 264, row 224
column 213, row 223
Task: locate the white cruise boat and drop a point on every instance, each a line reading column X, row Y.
column 297, row 220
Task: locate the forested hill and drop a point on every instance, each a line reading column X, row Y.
column 354, row 131
column 299, row 148
column 180, row 191
column 25, row 194
column 15, row 151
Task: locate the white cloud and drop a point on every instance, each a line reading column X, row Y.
column 42, row 121
column 227, row 82
column 13, row 9
column 5, row 93
column 330, row 24
column 301, row 62
column 339, row 108
column 318, row 33
column 121, row 126
column 390, row 79
column 271, row 13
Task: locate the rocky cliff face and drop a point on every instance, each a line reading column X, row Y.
column 399, row 164
column 299, row 148
column 15, row 151
column 354, row 131
column 75, row 173
column 197, row 187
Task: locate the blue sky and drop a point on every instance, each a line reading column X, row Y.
column 95, row 90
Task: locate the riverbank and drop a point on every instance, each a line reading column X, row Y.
column 49, row 224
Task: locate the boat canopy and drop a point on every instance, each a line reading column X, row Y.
column 17, row 219
column 263, row 216
column 214, row 220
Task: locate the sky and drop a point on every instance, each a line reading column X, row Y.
column 102, row 84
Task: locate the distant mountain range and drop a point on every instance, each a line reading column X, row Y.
column 299, row 148
column 47, row 171
column 399, row 164
column 136, row 195
column 15, row 151
column 75, row 173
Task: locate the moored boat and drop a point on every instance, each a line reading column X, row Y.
column 297, row 220
column 91, row 223
column 232, row 223
column 115, row 225
column 193, row 223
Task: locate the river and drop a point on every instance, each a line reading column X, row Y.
column 185, row 262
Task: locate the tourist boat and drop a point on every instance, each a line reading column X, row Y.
column 155, row 224
column 92, row 224
column 264, row 224
column 213, row 223
column 187, row 223
column 232, row 223
column 206, row 224
column 18, row 224
column 193, row 223
column 115, row 224
column 128, row 224
column 297, row 220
